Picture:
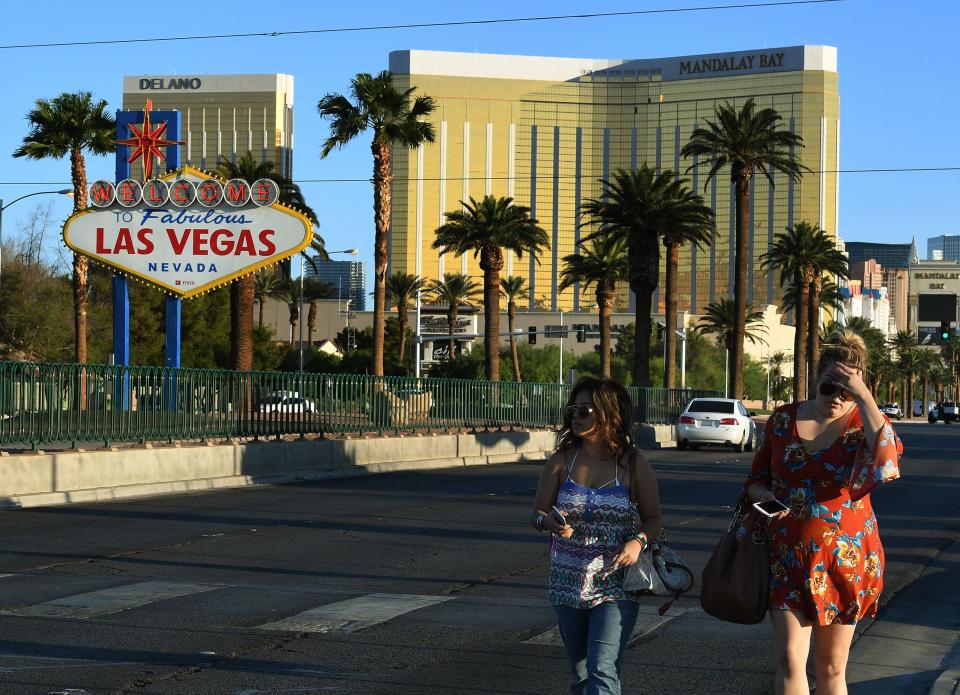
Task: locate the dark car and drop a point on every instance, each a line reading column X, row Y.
column 948, row 411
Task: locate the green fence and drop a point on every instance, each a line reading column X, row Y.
column 70, row 404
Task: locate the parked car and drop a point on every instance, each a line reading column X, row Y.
column 723, row 421
column 892, row 410
column 946, row 411
column 286, row 402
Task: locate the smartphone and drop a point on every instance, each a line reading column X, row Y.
column 558, row 516
column 770, row 507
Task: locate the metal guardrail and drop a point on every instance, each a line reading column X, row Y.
column 71, row 404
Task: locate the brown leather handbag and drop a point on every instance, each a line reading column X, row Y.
column 735, row 585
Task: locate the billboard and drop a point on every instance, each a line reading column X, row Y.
column 187, row 232
column 937, row 307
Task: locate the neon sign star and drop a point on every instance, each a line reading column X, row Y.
column 147, row 142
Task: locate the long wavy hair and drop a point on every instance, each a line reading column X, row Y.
column 613, row 415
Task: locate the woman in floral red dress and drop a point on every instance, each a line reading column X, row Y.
column 821, row 458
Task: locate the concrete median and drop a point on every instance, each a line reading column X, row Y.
column 39, row 479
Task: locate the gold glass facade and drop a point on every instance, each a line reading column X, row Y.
column 222, row 115
column 546, row 130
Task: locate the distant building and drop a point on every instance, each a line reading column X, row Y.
column 870, row 275
column 545, row 130
column 887, row 255
column 348, row 277
column 945, row 247
column 868, row 303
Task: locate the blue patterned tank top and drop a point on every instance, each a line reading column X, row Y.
column 582, row 574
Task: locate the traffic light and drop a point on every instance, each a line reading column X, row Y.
column 944, row 331
column 532, row 335
column 581, row 335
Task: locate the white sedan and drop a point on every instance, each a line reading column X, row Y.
column 286, row 404
column 723, row 421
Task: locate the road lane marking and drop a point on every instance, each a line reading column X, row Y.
column 106, row 601
column 648, row 621
column 355, row 613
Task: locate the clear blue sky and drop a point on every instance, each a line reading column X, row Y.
column 897, row 82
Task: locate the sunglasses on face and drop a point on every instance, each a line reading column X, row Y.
column 580, row 410
column 828, row 388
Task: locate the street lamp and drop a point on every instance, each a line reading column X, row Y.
column 303, row 261
column 65, row 191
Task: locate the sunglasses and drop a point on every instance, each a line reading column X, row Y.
column 580, row 410
column 828, row 388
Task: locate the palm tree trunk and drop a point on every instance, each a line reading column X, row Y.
column 672, row 305
column 404, row 320
column 926, row 386
column 260, row 312
column 909, row 406
column 452, row 313
column 381, row 209
column 491, row 262
column 641, row 340
column 605, row 304
column 78, row 176
column 813, row 345
column 740, row 281
column 511, row 318
column 800, row 342
column 311, row 322
column 241, row 324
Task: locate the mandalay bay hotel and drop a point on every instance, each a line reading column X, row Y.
column 546, row 130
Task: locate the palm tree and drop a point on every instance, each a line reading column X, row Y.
column 928, row 364
column 793, row 255
column 778, row 383
column 313, row 290
column 719, row 320
column 454, row 290
column 403, row 288
column 950, row 351
column 903, row 344
column 289, row 293
column 640, row 207
column 602, row 264
column 264, row 285
column 388, row 112
column 487, row 227
column 512, row 288
column 242, row 289
column 697, row 229
column 749, row 140
column 827, row 262
column 70, row 124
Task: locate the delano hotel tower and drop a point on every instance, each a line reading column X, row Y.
column 222, row 115
column 545, row 130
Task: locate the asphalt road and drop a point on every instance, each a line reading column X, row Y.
column 426, row 583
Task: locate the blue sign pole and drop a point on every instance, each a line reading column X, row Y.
column 121, row 289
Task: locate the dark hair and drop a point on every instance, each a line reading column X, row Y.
column 613, row 411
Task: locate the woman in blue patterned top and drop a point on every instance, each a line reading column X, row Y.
column 599, row 525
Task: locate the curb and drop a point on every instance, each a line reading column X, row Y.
column 915, row 645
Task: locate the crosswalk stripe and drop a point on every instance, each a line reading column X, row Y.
column 648, row 621
column 107, row 601
column 354, row 614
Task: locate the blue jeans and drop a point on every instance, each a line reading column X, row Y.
column 595, row 639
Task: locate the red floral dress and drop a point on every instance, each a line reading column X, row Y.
column 826, row 560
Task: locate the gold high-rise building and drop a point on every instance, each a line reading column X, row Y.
column 546, row 130
column 222, row 116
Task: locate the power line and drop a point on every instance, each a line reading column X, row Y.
column 420, row 25
column 887, row 170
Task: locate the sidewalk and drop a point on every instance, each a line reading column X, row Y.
column 914, row 648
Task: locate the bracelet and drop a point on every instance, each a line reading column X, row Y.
column 642, row 539
column 539, row 524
